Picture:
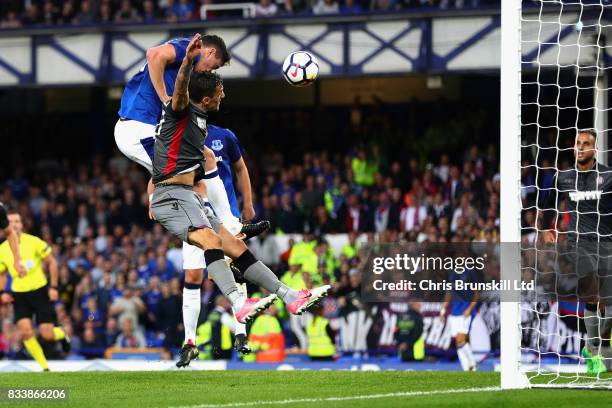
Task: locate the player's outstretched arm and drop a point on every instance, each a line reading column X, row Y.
column 244, row 185
column 180, row 98
column 157, row 59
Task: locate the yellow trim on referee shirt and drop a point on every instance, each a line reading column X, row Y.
column 32, row 250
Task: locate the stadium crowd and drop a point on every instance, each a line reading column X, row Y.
column 25, row 13
column 121, row 274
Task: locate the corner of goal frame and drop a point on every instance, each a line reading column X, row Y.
column 515, row 381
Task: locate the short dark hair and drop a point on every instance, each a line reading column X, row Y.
column 203, row 84
column 12, row 211
column 589, row 131
column 211, row 40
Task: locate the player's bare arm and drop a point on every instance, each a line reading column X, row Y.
column 210, row 160
column 157, row 59
column 51, row 263
column 475, row 298
column 244, row 186
column 180, row 98
column 13, row 239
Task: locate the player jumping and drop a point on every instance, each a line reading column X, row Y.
column 141, row 107
column 228, row 153
column 31, row 296
column 587, row 188
column 177, row 164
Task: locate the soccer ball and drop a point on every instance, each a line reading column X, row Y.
column 300, row 68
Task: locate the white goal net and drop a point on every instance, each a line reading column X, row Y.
column 565, row 61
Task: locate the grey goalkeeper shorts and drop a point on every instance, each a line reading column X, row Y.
column 589, row 264
column 180, row 210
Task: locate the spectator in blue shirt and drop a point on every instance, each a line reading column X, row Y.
column 350, row 7
column 151, row 297
column 164, row 269
column 144, row 268
column 149, row 14
column 93, row 315
column 183, row 10
column 104, row 294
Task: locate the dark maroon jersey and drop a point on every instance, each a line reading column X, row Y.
column 178, row 142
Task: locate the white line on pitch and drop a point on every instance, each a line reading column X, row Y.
column 349, row 398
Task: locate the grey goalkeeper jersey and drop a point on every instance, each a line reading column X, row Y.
column 589, row 201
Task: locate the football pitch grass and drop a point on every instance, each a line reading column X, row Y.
column 290, row 389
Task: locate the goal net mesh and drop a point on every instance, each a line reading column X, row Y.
column 564, row 88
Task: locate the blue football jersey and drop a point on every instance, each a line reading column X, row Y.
column 140, row 101
column 228, row 150
column 461, row 299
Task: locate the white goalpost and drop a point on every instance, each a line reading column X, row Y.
column 510, row 205
column 554, row 82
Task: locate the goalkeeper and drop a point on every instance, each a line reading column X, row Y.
column 587, row 188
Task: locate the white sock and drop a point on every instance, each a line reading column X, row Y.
column 241, row 327
column 220, row 203
column 463, row 358
column 237, row 299
column 298, row 328
column 470, row 355
column 191, row 312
